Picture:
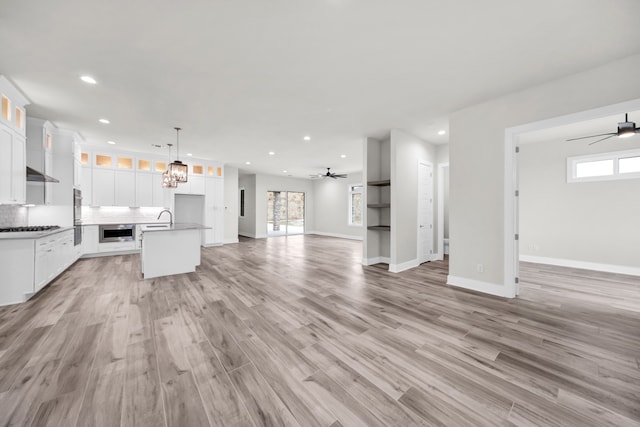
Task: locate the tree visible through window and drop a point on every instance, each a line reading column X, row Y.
column 355, row 204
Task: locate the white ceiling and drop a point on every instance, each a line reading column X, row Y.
column 246, row 77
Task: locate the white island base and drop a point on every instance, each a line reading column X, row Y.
column 170, row 250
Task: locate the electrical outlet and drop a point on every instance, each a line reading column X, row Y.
column 480, row 268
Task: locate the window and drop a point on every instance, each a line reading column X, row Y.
column 604, row 166
column 242, row 202
column 355, row 204
column 6, row 108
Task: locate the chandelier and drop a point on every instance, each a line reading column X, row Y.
column 167, row 180
column 177, row 169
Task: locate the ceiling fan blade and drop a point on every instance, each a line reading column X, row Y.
column 342, row 175
column 333, row 176
column 610, row 136
column 592, row 136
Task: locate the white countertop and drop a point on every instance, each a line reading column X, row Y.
column 173, row 227
column 123, row 222
column 15, row 235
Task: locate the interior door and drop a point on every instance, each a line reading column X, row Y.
column 425, row 212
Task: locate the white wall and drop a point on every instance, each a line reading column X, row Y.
column 477, row 162
column 331, row 201
column 593, row 222
column 406, row 151
column 247, row 224
column 231, row 205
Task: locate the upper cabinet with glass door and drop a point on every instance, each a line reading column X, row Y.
column 12, row 104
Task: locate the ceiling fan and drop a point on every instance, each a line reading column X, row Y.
column 625, row 130
column 329, row 174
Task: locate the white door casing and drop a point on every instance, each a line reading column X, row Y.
column 425, row 212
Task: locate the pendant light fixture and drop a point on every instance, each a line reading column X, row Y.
column 167, row 179
column 177, row 169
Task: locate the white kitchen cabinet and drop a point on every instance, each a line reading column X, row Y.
column 18, row 170
column 214, row 211
column 117, row 246
column 158, row 193
column 12, row 144
column 44, row 262
column 144, row 189
column 12, row 167
column 197, row 185
column 103, row 187
column 87, row 183
column 16, row 265
column 77, row 165
column 53, row 255
column 125, row 188
column 90, row 238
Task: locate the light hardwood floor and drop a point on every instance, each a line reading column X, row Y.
column 294, row 331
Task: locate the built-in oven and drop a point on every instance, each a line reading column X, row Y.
column 77, row 217
column 117, row 233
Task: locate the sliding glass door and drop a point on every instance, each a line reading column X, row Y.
column 285, row 213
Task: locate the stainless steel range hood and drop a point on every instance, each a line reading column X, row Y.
column 35, row 176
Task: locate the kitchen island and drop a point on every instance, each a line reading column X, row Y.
column 168, row 249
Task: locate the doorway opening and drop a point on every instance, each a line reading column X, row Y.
column 513, row 138
column 285, row 213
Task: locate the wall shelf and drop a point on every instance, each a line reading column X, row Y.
column 379, row 227
column 379, row 205
column 381, row 183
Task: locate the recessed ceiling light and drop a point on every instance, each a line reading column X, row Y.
column 343, row 155
column 307, row 138
column 284, row 171
column 247, row 163
column 442, row 132
column 111, row 142
column 271, row 153
column 189, row 154
column 104, row 121
column 88, row 79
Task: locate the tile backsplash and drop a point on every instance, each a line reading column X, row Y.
column 13, row 216
column 121, row 215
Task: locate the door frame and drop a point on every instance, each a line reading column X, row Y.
column 511, row 203
column 431, row 256
column 304, row 213
column 441, row 168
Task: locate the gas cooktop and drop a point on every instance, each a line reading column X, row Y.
column 29, row 228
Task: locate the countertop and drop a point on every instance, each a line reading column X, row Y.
column 32, row 234
column 173, row 227
column 123, row 222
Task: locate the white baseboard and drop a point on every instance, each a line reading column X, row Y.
column 112, row 253
column 397, row 268
column 338, row 235
column 608, row 268
column 230, row 241
column 210, row 245
column 376, row 260
column 476, row 285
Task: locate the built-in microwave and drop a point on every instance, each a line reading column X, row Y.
column 117, row 233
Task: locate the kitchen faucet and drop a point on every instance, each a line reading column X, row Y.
column 170, row 215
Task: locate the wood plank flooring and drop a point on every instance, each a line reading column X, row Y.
column 295, row 332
